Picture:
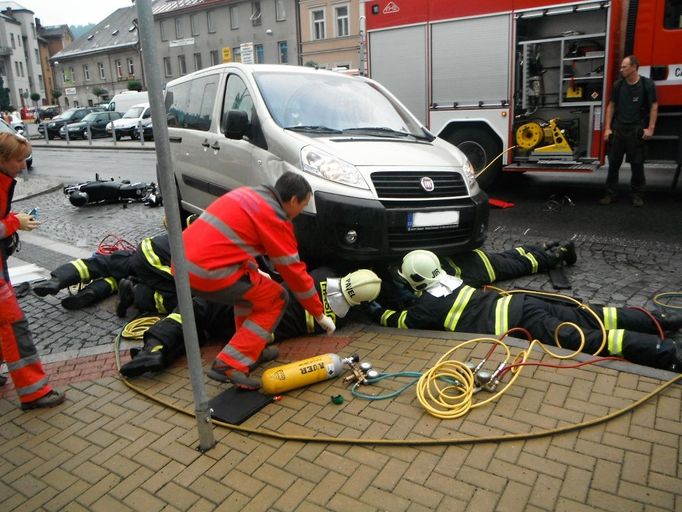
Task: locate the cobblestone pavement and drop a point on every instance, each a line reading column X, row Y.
column 109, row 448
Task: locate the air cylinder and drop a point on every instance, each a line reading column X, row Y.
column 301, row 373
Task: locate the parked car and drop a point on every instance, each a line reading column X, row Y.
column 48, row 112
column 4, row 127
column 148, row 132
column 128, row 125
column 73, row 115
column 96, row 120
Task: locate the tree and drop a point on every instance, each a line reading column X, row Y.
column 99, row 92
column 134, row 85
column 35, row 97
column 56, row 94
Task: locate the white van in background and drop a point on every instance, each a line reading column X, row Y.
column 129, row 124
column 122, row 101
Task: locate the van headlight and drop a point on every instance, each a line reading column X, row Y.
column 470, row 175
column 322, row 164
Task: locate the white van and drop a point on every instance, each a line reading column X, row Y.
column 382, row 183
column 122, row 101
column 129, row 124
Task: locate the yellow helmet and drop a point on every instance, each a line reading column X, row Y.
column 353, row 289
column 421, row 269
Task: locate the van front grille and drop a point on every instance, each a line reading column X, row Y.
column 400, row 239
column 408, row 185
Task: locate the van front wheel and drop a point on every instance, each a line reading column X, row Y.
column 481, row 148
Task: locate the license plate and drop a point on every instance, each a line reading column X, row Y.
column 432, row 220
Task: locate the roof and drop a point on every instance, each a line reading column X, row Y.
column 168, row 6
column 14, row 6
column 53, row 30
column 111, row 33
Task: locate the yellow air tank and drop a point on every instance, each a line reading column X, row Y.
column 301, row 373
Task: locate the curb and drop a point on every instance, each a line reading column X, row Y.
column 99, row 146
column 40, row 193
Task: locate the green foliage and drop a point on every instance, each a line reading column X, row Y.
column 99, row 91
column 35, row 96
column 134, row 85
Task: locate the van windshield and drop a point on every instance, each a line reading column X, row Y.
column 326, row 104
column 133, row 113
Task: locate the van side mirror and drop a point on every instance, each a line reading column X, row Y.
column 235, row 124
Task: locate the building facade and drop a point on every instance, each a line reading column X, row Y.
column 19, row 55
column 101, row 62
column 194, row 34
column 330, row 33
column 51, row 40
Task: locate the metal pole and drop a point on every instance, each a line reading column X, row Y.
column 89, row 134
column 170, row 195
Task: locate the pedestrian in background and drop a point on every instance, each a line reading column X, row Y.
column 16, row 343
column 630, row 122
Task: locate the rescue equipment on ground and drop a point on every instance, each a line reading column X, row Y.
column 313, row 370
column 111, row 191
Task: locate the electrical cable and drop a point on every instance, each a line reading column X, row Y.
column 117, row 243
column 493, row 161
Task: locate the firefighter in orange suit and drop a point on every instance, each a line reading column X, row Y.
column 16, row 343
column 221, row 248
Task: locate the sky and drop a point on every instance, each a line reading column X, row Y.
column 72, row 12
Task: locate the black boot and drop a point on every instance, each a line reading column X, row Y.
column 85, row 297
column 149, row 359
column 670, row 321
column 50, row 287
column 3, row 380
column 126, row 297
column 566, row 251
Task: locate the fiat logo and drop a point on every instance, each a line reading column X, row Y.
column 427, row 184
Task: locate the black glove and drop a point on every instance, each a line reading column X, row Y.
column 373, row 309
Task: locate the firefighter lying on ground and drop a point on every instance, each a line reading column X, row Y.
column 444, row 302
column 148, row 266
column 163, row 341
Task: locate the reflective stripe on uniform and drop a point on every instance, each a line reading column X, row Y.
column 82, row 269
column 615, row 339
column 401, row 320
column 36, row 386
column 533, row 261
column 217, row 273
column 385, row 316
column 488, row 265
column 453, row 316
column 502, row 315
column 228, row 233
column 306, row 294
column 113, row 284
column 15, row 365
column 257, row 330
column 237, row 356
column 152, row 258
column 158, row 301
column 309, row 323
column 458, row 271
column 175, row 317
column 286, row 260
column 610, row 317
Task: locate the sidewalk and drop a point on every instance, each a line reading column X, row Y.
column 99, row 143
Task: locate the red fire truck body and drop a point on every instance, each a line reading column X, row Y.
column 530, row 79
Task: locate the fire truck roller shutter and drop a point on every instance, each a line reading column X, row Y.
column 480, row 145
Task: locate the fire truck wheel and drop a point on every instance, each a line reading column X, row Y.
column 481, row 148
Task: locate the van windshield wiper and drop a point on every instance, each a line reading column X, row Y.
column 313, row 128
column 382, row 131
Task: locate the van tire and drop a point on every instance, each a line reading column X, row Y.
column 480, row 147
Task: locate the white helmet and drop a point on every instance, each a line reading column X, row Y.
column 353, row 289
column 421, row 269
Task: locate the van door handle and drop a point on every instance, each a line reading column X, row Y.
column 216, row 146
column 205, row 143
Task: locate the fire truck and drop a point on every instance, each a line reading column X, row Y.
column 526, row 79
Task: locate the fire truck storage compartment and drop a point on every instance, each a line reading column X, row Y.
column 559, row 72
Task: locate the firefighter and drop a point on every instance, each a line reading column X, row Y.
column 163, row 341
column 446, row 303
column 16, row 343
column 143, row 276
column 221, row 248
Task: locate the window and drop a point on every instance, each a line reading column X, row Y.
column 672, row 16
column 234, row 17
column 164, row 30
column 19, row 41
column 236, row 54
column 215, row 57
column 210, row 21
column 12, row 38
column 197, row 61
column 283, row 51
column 182, row 65
column 178, row 28
column 16, row 67
column 37, row 56
column 100, row 66
column 119, row 68
column 167, row 66
column 280, row 12
column 86, row 72
column 260, row 53
column 237, row 97
column 190, row 104
column 21, row 67
column 341, row 15
column 131, row 67
column 317, row 17
column 194, row 24
column 256, row 14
